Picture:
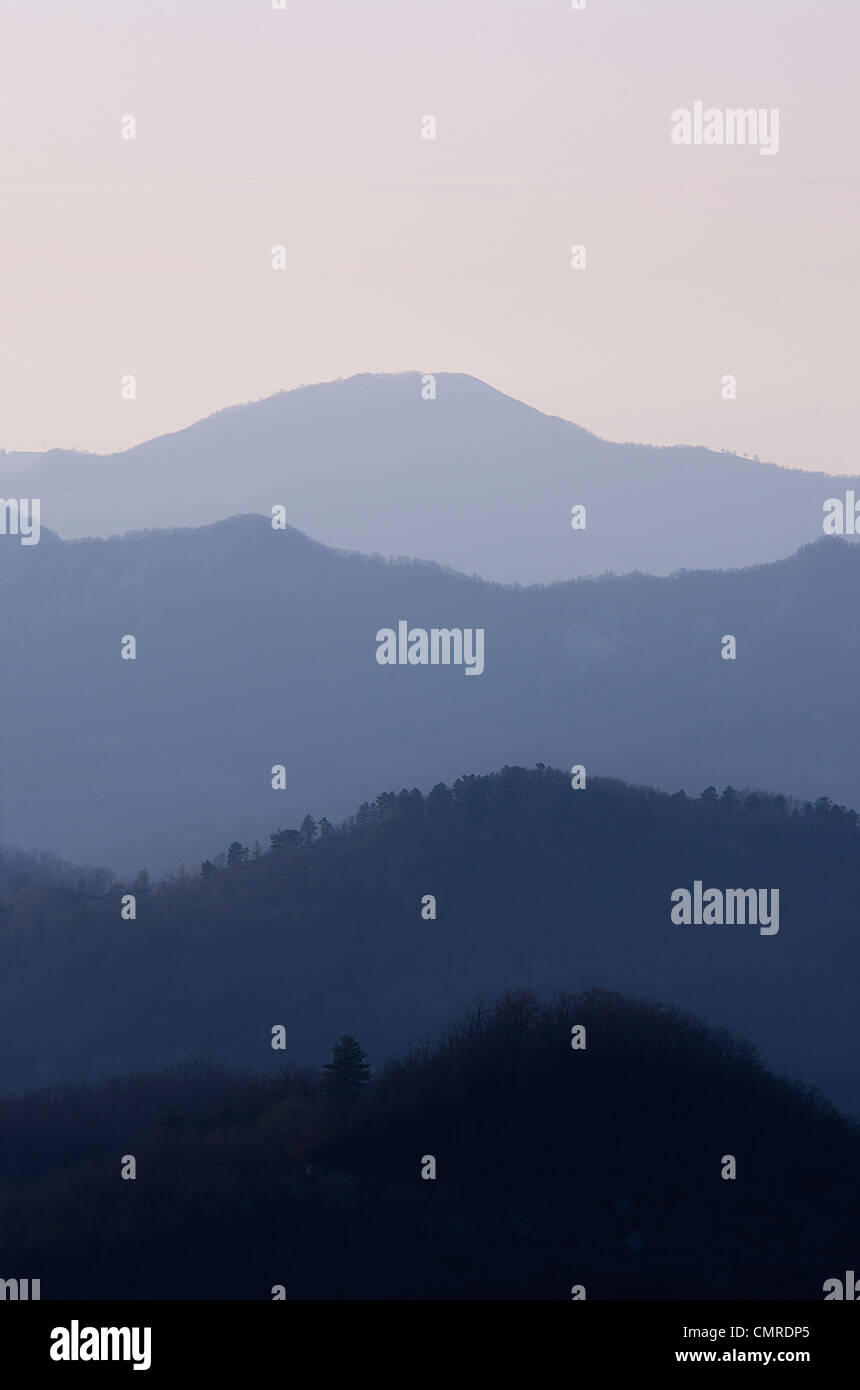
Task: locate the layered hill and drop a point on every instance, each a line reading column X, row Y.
column 257, row 649
column 596, row 1172
column 532, row 883
column 472, row 479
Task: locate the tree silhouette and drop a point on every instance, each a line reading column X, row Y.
column 308, row 830
column 142, row 885
column 348, row 1072
column 284, row 839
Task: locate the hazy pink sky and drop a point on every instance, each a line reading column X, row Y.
column 302, row 127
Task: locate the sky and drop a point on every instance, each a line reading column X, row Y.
column 302, row 127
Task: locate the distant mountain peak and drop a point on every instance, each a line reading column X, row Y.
column 473, row 480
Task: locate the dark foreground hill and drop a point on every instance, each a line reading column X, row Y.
column 597, row 1169
column 535, row 885
column 472, row 479
column 257, row 648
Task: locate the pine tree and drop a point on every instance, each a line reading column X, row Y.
column 438, row 801
column 348, row 1072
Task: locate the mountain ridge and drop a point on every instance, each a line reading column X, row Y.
column 473, row 479
column 540, row 886
column 257, row 648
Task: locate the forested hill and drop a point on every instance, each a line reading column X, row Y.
column 656, row 1159
column 22, row 869
column 330, row 930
